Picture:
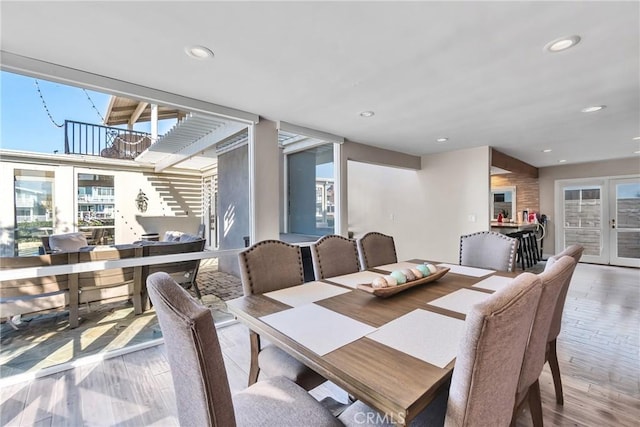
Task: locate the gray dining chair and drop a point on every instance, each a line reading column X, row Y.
column 334, row 255
column 268, row 266
column 488, row 249
column 528, row 391
column 200, row 380
column 376, row 249
column 575, row 252
column 488, row 362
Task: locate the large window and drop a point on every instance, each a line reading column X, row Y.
column 96, row 208
column 310, row 191
column 34, row 209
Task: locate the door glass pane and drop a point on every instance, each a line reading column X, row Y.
column 628, row 205
column 583, row 219
column 311, row 191
column 628, row 217
column 629, row 245
column 33, row 191
column 96, row 208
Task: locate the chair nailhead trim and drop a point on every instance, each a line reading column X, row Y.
column 261, row 243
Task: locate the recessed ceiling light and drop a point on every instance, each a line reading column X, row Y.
column 636, row 138
column 562, row 161
column 442, row 139
column 199, row 52
column 547, row 150
column 367, row 114
column 563, row 43
column 593, row 108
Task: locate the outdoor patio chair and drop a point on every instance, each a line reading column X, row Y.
column 97, row 236
column 22, row 296
column 183, row 272
column 113, row 284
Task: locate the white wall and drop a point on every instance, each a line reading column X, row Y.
column 172, row 205
column 425, row 211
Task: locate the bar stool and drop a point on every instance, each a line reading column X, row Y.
column 521, row 257
column 528, row 254
column 535, row 252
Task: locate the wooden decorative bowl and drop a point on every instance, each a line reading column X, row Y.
column 392, row 290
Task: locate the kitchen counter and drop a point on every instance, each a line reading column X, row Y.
column 510, row 227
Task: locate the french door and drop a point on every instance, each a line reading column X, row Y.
column 624, row 222
column 603, row 215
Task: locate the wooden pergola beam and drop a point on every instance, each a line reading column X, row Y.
column 137, row 113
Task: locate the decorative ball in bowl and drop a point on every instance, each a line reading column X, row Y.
column 400, row 280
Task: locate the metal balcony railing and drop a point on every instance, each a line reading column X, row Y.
column 97, row 140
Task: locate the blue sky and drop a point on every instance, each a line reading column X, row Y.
column 24, row 122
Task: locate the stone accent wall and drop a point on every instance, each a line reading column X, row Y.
column 527, row 190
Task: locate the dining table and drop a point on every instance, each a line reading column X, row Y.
column 393, row 353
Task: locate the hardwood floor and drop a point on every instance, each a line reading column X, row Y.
column 598, row 350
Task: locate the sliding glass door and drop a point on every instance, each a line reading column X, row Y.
column 311, row 191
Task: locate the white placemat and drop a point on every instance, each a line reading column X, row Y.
column 396, row 266
column 306, row 293
column 467, row 271
column 317, row 328
column 354, row 279
column 493, row 283
column 422, row 334
column 460, row 301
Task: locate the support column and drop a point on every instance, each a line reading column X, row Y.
column 264, row 156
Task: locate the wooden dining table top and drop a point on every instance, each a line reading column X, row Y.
column 387, row 379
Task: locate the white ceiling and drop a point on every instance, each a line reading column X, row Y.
column 474, row 72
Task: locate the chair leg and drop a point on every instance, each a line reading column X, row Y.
column 74, row 297
column 254, row 369
column 552, row 358
column 535, row 404
column 196, row 289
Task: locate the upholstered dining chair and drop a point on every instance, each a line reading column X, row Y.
column 490, row 354
column 575, row 252
column 267, row 266
column 376, row 249
column 200, row 380
column 334, row 255
column 534, row 357
column 488, row 249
